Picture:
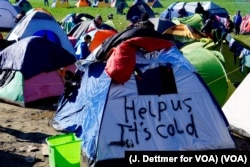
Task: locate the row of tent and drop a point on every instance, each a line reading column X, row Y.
column 137, row 90
column 172, row 9
column 9, row 12
column 37, row 58
column 37, row 48
column 103, row 3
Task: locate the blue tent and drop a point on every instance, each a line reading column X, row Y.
column 156, row 4
column 48, row 34
column 35, row 55
column 164, row 105
column 139, row 7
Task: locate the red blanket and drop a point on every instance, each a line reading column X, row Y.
column 121, row 63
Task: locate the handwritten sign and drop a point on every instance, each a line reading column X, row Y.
column 154, row 119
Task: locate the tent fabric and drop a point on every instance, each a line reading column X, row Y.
column 82, row 3
column 97, row 38
column 172, row 10
column 79, row 29
column 85, row 16
column 157, row 4
column 245, row 24
column 138, row 8
column 154, row 4
column 7, row 15
column 121, row 63
column 12, row 91
column 30, row 53
column 45, row 85
column 23, row 92
column 236, row 109
column 86, row 26
column 245, row 58
column 161, row 24
column 182, row 33
column 37, row 20
column 115, row 40
column 194, row 21
column 50, row 35
column 34, row 70
column 82, row 16
column 211, row 69
column 68, row 24
column 112, row 118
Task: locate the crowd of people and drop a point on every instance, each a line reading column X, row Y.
column 214, row 28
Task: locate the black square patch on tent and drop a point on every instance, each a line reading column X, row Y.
column 156, row 81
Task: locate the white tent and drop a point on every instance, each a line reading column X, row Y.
column 172, row 10
column 237, row 108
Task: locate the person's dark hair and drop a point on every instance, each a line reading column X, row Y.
column 87, row 37
column 182, row 12
column 98, row 17
column 199, row 4
column 144, row 16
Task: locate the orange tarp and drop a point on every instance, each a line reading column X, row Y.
column 99, row 37
column 82, row 3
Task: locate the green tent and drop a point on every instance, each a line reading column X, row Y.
column 13, row 89
column 209, row 65
column 194, row 21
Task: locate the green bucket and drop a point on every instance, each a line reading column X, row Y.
column 64, row 150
